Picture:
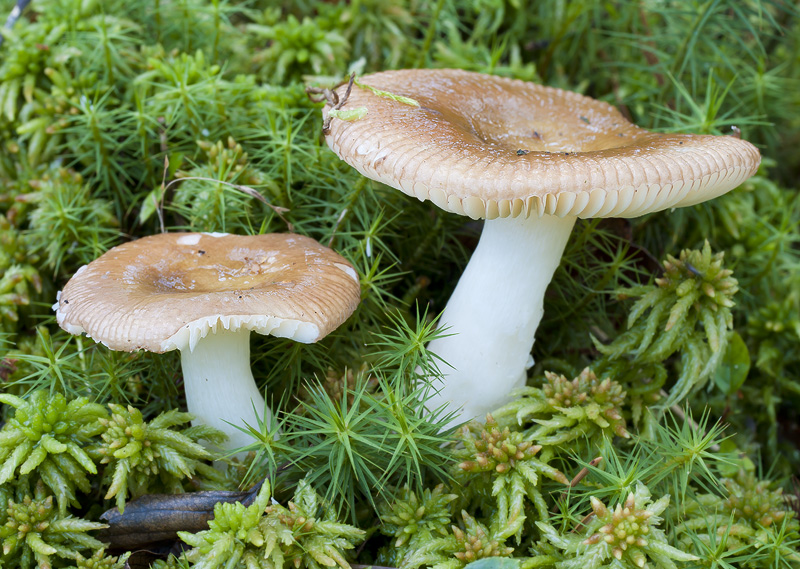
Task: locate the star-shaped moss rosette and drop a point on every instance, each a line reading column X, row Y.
column 413, row 521
column 688, row 310
column 464, row 545
column 627, row 536
column 203, row 202
column 148, row 457
column 47, row 434
column 33, row 531
column 272, row 537
column 563, row 410
column 69, row 226
column 505, row 461
column 340, row 384
column 743, row 519
column 306, row 534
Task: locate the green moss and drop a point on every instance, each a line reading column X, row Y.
column 47, row 435
column 34, row 533
column 413, row 521
column 564, row 410
column 626, row 536
column 102, row 105
column 20, row 279
column 471, row 542
column 148, row 457
column 688, row 310
column 273, row 536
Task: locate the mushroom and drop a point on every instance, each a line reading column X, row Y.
column 530, row 160
column 202, row 294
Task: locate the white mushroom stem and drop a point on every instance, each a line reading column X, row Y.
column 219, row 385
column 494, row 312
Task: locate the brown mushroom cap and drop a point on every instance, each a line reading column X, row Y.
column 487, row 146
column 167, row 291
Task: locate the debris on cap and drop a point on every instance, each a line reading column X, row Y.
column 488, row 147
column 168, row 291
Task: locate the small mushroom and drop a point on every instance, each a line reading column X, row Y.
column 530, row 160
column 203, row 293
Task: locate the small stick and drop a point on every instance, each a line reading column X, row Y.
column 160, row 207
column 245, row 190
column 584, row 471
column 159, row 517
column 332, row 98
column 582, row 523
column 15, row 15
column 679, row 412
column 336, row 227
column 578, row 477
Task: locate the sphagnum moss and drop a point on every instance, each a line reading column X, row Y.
column 148, row 457
column 20, row 280
column 47, row 435
column 271, row 536
column 101, row 560
column 412, row 521
column 747, row 516
column 625, row 536
column 752, row 501
column 695, row 291
column 506, row 462
column 564, row 410
column 466, row 544
column 34, row 532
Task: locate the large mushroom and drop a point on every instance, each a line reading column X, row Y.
column 530, row 160
column 202, row 294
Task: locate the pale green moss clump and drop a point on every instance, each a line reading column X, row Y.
column 747, row 518
column 506, row 462
column 32, row 531
column 19, row 278
column 688, row 311
column 564, row 410
column 627, row 536
column 99, row 560
column 752, row 501
column 413, row 521
column 464, row 545
column 144, row 457
column 263, row 536
column 47, row 435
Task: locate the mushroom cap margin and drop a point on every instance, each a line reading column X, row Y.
column 167, row 291
column 488, row 147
